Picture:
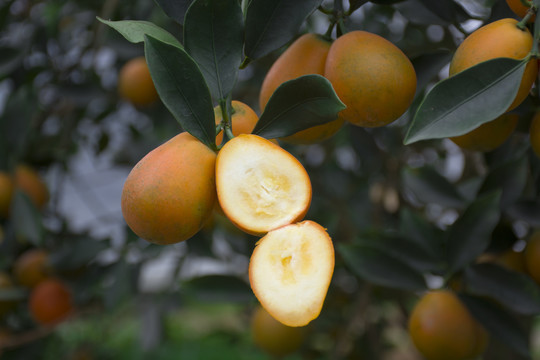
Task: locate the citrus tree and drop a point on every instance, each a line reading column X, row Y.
column 362, row 176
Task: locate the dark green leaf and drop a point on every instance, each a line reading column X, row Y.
column 470, row 235
column 214, row 37
column 218, row 288
column 510, row 178
column 447, row 10
column 135, row 30
column 515, row 291
column 175, row 9
column 428, row 65
column 380, row 268
column 430, row 187
column 525, row 210
column 461, row 103
column 297, row 105
column 502, row 325
column 26, row 219
column 182, row 89
column 416, row 13
column 76, row 252
column 271, row 24
column 423, row 233
column 355, row 5
column 402, row 247
column 383, row 2
column 15, row 124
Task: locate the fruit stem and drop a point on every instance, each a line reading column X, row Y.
column 245, row 63
column 324, row 11
column 225, row 121
column 523, row 22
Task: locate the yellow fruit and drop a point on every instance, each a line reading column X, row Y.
column 519, row 9
column 290, row 271
column 274, row 337
column 532, row 256
column 509, row 259
column 372, row 76
column 260, row 186
column 32, row 267
column 135, row 83
column 501, row 38
column 28, row 181
column 305, row 56
column 6, row 193
column 534, row 134
column 50, row 302
column 442, row 328
column 488, row 136
column 170, row 194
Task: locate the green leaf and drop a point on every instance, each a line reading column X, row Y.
column 423, row 233
column 175, row 9
column 428, row 186
column 446, row 9
column 271, row 24
column 182, row 88
column 403, row 247
column 26, row 219
column 510, row 178
column 135, row 30
column 525, row 210
column 11, row 59
column 380, row 2
column 428, row 65
column 515, row 291
column 501, row 324
column 298, row 104
column 461, row 103
column 470, row 235
column 377, row 267
column 214, row 37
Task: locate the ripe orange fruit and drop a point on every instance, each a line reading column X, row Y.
column 6, row 193
column 260, row 186
column 488, row 136
column 272, row 336
column 305, row 56
column 50, row 302
column 534, row 134
column 290, row 271
column 442, row 328
column 5, row 284
column 30, row 182
column 32, row 267
column 532, row 256
column 501, row 38
column 170, row 194
column 135, row 83
column 509, row 259
column 519, row 9
column 372, row 76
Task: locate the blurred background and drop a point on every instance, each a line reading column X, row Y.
column 61, row 115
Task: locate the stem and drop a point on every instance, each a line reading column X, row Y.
column 324, row 11
column 534, row 8
column 328, row 33
column 226, row 114
column 523, row 22
column 245, row 63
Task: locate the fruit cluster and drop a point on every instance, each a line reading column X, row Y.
column 31, row 278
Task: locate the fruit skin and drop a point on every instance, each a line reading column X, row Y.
column 534, row 134
column 488, row 136
column 6, row 193
column 30, row 182
column 170, row 194
column 135, row 83
column 442, row 328
column 501, row 38
column 305, row 56
column 245, row 155
column 532, row 256
column 274, row 337
column 50, row 302
column 372, row 76
column 519, row 9
column 32, row 267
